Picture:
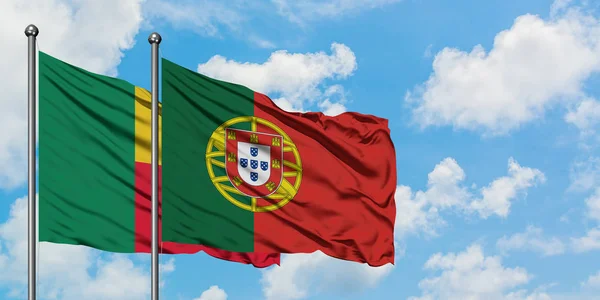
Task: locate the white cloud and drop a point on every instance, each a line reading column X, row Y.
column 524, row 295
column 300, row 273
column 117, row 278
column 74, row 31
column 593, row 282
column 427, row 53
column 331, row 109
column 496, row 196
column 261, row 42
column 301, row 11
column 532, row 66
column 587, row 243
column 593, row 205
column 204, row 16
column 210, row 18
column 415, row 212
column 585, row 174
column 559, row 6
column 333, row 104
column 420, row 211
column 298, row 78
column 472, row 275
column 591, row 241
column 286, row 105
column 69, row 271
column 533, row 240
column 586, row 116
column 164, row 269
column 213, row 293
column 168, row 266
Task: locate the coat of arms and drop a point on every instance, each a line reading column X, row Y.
column 253, row 161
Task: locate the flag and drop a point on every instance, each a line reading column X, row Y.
column 241, row 174
column 94, row 164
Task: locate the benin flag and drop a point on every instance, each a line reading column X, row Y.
column 241, row 174
column 94, row 164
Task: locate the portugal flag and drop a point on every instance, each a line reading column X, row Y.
column 241, row 174
column 94, row 165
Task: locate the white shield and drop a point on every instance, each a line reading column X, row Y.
column 254, row 163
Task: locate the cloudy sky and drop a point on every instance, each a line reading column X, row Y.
column 493, row 108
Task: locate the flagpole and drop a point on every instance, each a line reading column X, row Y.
column 154, row 39
column 31, row 32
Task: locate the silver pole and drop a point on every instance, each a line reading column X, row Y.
column 154, row 41
column 31, row 32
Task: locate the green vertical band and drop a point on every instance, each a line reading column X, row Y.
column 86, row 157
column 194, row 212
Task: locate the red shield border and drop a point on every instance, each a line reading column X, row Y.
column 232, row 137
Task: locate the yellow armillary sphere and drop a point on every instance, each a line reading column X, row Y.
column 254, row 164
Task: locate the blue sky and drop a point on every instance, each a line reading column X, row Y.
column 493, row 111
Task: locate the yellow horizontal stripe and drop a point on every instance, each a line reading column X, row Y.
column 143, row 126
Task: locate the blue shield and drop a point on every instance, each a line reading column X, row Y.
column 244, row 162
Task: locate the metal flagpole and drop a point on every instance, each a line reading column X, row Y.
column 31, row 32
column 154, row 41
